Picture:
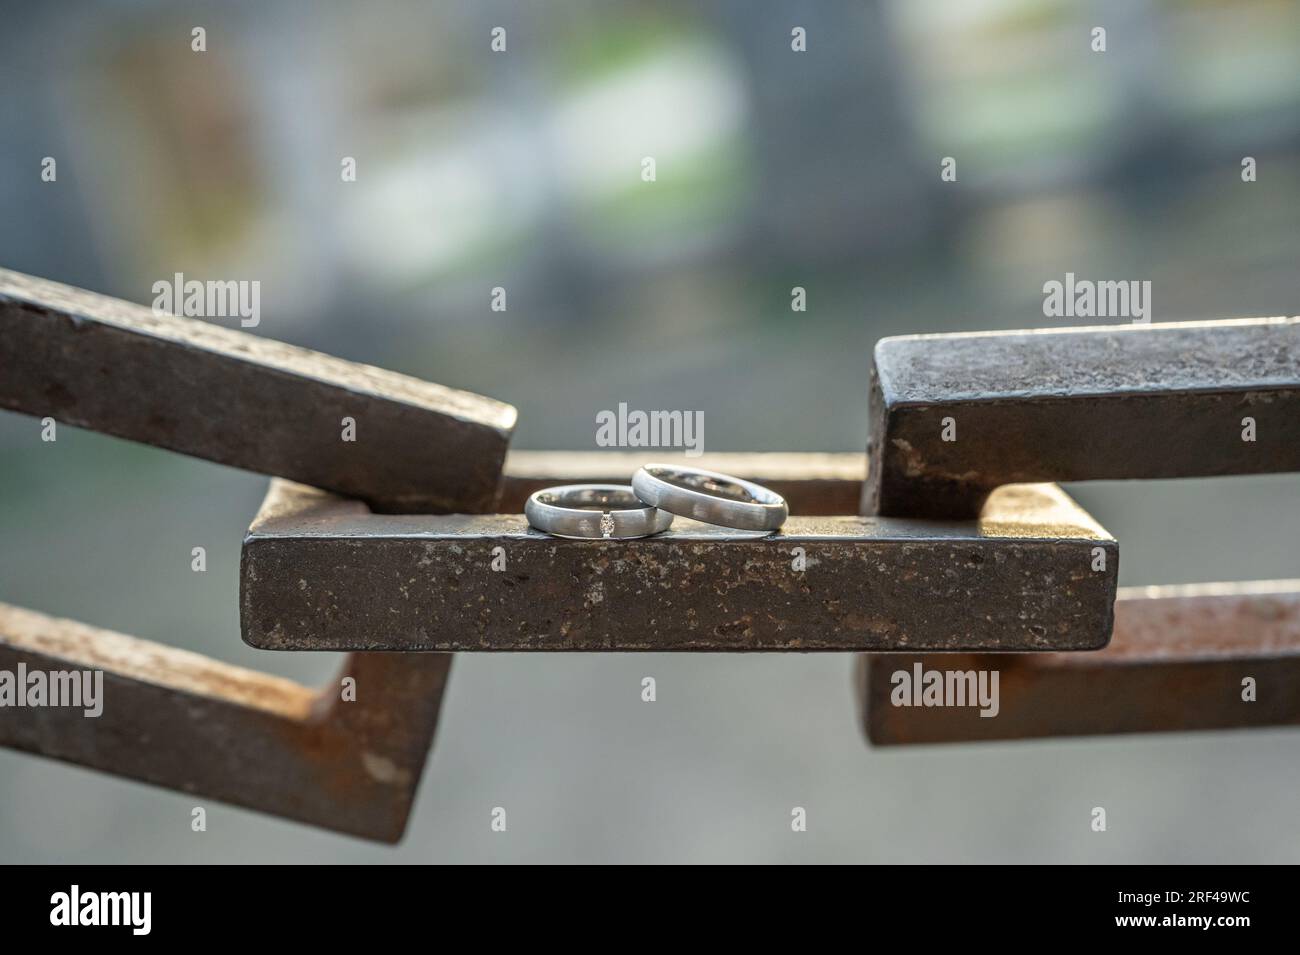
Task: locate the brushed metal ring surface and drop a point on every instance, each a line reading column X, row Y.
column 710, row 497
column 594, row 512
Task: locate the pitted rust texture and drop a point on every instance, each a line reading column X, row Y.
column 1177, row 662
column 174, row 718
column 245, row 401
column 178, row 720
column 320, row 574
column 812, row 484
column 1135, row 401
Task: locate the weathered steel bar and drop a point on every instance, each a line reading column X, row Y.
column 173, row 718
column 249, row 402
column 178, row 720
column 954, row 416
column 1035, row 572
column 1189, row 657
column 814, row 485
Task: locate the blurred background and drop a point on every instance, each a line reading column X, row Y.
column 522, row 170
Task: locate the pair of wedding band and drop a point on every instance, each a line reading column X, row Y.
column 658, row 491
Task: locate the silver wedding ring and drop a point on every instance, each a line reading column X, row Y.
column 594, row 511
column 710, row 497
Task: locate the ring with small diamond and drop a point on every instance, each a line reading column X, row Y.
column 594, row 512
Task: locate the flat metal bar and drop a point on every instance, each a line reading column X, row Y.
column 1177, row 662
column 812, row 484
column 954, row 416
column 179, row 720
column 245, row 401
column 1035, row 572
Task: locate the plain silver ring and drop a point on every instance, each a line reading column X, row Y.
column 594, row 512
column 710, row 497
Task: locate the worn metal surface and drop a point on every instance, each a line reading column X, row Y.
column 1135, row 401
column 179, row 720
column 812, row 484
column 176, row 719
column 1176, row 662
column 322, row 573
column 249, row 402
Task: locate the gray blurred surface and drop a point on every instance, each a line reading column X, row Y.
column 228, row 167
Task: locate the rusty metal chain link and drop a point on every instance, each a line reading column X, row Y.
column 388, row 544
